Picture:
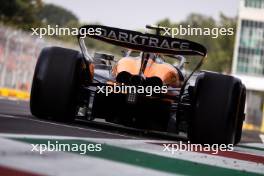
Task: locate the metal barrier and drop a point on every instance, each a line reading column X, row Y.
column 18, row 54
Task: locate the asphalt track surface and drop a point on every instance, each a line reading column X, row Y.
column 126, row 151
column 15, row 117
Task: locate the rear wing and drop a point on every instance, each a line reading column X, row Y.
column 142, row 42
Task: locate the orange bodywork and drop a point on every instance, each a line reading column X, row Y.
column 166, row 72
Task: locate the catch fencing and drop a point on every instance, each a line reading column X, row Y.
column 18, row 55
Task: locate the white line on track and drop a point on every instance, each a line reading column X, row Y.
column 9, row 116
column 103, row 140
column 68, row 126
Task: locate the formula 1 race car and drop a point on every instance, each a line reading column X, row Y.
column 207, row 106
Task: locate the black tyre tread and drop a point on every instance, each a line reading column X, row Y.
column 215, row 109
column 241, row 116
column 54, row 84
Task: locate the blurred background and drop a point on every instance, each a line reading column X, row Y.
column 241, row 55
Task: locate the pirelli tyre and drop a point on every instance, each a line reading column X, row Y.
column 55, row 84
column 241, row 116
column 218, row 105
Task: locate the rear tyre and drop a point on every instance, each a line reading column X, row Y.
column 215, row 118
column 241, row 116
column 55, row 84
